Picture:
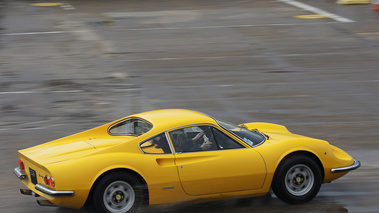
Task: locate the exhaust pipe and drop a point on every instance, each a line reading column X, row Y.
column 26, row 191
column 40, row 202
column 45, row 203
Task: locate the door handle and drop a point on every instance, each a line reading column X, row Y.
column 165, row 161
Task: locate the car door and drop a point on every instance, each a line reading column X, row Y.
column 159, row 169
column 227, row 166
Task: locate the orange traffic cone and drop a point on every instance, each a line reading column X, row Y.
column 375, row 5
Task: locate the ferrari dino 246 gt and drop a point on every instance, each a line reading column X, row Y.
column 175, row 155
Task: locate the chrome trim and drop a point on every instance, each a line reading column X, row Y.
column 53, row 193
column 190, row 125
column 218, row 127
column 165, row 133
column 124, row 120
column 356, row 165
column 20, row 174
column 169, row 187
column 169, row 142
column 231, row 132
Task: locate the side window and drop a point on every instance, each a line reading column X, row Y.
column 224, row 141
column 193, row 139
column 131, row 127
column 156, row 145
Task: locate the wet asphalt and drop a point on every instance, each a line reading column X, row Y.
column 80, row 64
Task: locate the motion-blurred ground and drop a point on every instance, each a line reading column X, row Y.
column 68, row 68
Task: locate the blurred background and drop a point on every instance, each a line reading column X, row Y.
column 70, row 66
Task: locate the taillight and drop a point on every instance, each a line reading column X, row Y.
column 49, row 181
column 21, row 164
column 52, row 182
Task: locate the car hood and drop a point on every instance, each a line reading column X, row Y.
column 59, row 151
column 275, row 132
column 279, row 136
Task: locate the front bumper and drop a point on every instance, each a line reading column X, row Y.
column 52, row 193
column 356, row 165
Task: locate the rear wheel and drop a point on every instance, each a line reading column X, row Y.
column 297, row 180
column 118, row 192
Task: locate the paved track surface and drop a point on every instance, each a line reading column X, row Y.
column 68, row 68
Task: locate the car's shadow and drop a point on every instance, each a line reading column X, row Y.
column 259, row 204
column 265, row 204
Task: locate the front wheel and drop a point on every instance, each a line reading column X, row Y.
column 297, row 180
column 118, row 192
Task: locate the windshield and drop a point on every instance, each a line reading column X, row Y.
column 251, row 137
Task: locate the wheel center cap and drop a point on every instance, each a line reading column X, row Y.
column 298, row 179
column 118, row 197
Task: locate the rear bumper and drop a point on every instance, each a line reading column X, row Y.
column 20, row 174
column 52, row 193
column 356, row 165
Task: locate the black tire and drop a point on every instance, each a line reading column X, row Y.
column 118, row 192
column 297, row 180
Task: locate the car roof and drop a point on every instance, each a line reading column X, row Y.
column 166, row 119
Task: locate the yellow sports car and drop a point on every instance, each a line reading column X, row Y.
column 175, row 155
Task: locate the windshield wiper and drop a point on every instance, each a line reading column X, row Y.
column 243, row 126
column 257, row 131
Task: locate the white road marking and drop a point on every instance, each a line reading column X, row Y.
column 17, row 92
column 33, row 33
column 37, row 92
column 38, row 33
column 67, row 7
column 67, row 91
column 316, row 10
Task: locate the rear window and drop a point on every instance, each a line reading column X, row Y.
column 133, row 126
